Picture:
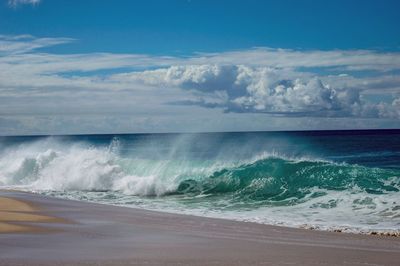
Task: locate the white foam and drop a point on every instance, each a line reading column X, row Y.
column 74, row 171
column 51, row 165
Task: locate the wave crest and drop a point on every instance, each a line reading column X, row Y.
column 266, row 177
column 277, row 179
column 268, row 188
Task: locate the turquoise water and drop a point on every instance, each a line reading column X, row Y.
column 348, row 180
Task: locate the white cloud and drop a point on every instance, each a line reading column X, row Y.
column 345, row 60
column 351, row 60
column 20, row 44
column 16, row 3
column 262, row 90
column 262, row 81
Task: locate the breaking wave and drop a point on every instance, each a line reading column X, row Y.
column 268, row 188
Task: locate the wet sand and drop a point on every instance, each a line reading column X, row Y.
column 38, row 230
column 15, row 216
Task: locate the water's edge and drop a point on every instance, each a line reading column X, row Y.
column 344, row 183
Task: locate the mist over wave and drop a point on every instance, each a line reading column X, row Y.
column 252, row 179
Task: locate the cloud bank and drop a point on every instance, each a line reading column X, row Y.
column 238, row 88
column 262, row 82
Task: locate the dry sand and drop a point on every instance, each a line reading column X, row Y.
column 108, row 235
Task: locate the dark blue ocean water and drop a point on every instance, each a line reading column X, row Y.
column 323, row 179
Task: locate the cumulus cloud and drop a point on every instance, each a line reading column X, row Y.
column 16, row 3
column 238, row 88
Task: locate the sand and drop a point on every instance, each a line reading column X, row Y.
column 15, row 214
column 80, row 233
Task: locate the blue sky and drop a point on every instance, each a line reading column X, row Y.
column 170, row 66
column 186, row 26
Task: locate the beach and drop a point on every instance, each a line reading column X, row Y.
column 41, row 230
column 190, row 132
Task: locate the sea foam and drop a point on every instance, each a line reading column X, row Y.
column 268, row 187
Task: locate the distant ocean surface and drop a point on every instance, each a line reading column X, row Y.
column 328, row 180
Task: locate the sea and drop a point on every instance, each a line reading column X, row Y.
column 326, row 180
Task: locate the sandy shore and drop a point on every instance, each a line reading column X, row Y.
column 16, row 215
column 38, row 230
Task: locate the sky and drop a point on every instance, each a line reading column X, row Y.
column 94, row 67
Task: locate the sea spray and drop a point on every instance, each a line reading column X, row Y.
column 259, row 177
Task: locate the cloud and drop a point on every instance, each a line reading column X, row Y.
column 21, row 44
column 262, row 82
column 243, row 89
column 18, row 54
column 350, row 60
column 16, row 3
column 334, row 60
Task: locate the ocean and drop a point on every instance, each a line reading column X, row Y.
column 326, row 180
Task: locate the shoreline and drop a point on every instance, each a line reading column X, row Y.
column 348, row 230
column 83, row 233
